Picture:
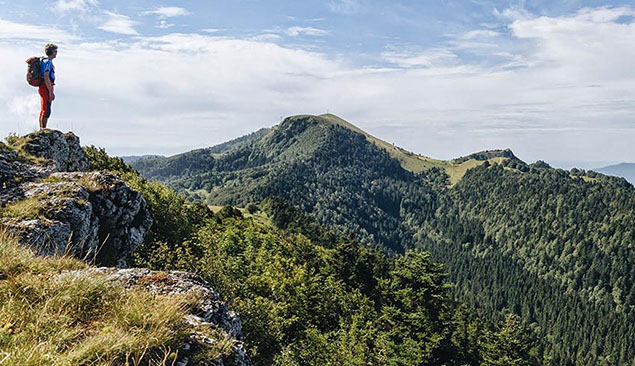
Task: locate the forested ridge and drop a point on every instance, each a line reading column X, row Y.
column 555, row 247
column 308, row 296
column 562, row 246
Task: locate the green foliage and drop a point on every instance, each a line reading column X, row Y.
column 554, row 247
column 509, row 346
column 321, row 155
column 175, row 220
column 4, row 148
column 303, row 303
column 488, row 154
column 307, row 296
column 99, row 160
column 252, row 208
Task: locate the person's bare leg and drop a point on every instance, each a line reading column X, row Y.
column 43, row 121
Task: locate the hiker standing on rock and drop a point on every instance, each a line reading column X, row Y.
column 46, row 89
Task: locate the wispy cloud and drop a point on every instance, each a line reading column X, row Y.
column 63, row 6
column 429, row 58
column 480, row 33
column 167, row 12
column 309, row 31
column 516, row 10
column 265, row 37
column 344, row 6
column 213, row 30
column 12, row 30
column 163, row 24
column 118, row 23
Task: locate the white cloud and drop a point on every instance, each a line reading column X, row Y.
column 201, row 89
column 168, row 12
column 582, row 47
column 480, row 33
column 63, row 6
column 429, row 58
column 163, row 24
column 344, row 6
column 265, row 37
column 515, row 11
column 213, row 30
column 12, row 30
column 309, row 31
column 118, row 23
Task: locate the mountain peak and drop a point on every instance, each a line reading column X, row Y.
column 408, row 160
column 488, row 154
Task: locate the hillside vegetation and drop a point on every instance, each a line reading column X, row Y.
column 308, row 296
column 56, row 308
column 555, row 247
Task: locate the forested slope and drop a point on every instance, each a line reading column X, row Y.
column 555, row 249
column 307, row 296
column 553, row 246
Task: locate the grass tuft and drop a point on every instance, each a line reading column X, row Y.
column 16, row 143
column 27, row 209
column 52, row 315
column 90, row 184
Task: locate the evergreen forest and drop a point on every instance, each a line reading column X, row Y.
column 309, row 296
column 546, row 250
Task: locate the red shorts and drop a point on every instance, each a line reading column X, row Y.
column 45, row 110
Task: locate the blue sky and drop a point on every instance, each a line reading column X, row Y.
column 551, row 80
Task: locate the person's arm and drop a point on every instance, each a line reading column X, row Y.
column 49, row 86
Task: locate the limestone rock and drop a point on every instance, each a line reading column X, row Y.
column 62, row 149
column 49, row 200
column 13, row 170
column 208, row 311
column 87, row 215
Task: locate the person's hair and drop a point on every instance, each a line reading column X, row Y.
column 49, row 48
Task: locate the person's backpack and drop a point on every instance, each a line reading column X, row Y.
column 34, row 71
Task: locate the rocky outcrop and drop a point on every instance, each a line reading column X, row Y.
column 62, row 149
column 14, row 169
column 209, row 310
column 88, row 215
column 54, row 205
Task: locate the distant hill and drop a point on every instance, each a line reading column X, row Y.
column 132, row 158
column 553, row 246
column 624, row 170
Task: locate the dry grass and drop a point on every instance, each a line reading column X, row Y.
column 30, row 208
column 52, row 317
column 16, row 143
column 90, row 184
column 457, row 171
